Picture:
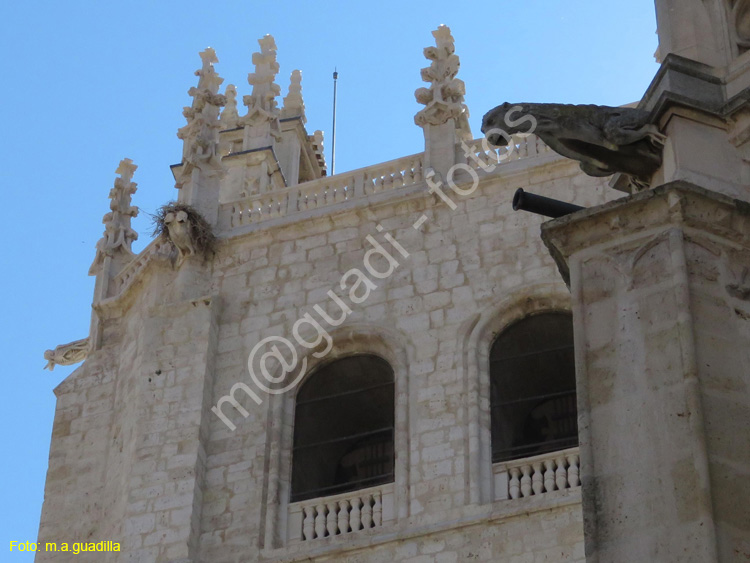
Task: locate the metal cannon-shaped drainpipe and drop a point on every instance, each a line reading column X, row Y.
column 542, row 205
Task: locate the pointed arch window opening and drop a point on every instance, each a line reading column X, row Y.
column 344, row 428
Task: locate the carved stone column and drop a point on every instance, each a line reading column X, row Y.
column 660, row 285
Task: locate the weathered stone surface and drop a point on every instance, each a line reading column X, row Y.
column 172, row 481
column 605, row 140
column 662, row 339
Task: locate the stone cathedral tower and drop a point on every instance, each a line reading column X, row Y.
column 387, row 365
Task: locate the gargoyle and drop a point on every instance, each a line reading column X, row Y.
column 185, row 229
column 605, row 140
column 67, row 354
column 180, row 233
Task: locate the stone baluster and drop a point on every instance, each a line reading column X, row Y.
column 537, row 479
column 343, row 516
column 355, row 518
column 308, row 524
column 531, row 147
column 526, row 481
column 491, row 158
column 561, row 475
column 367, row 512
column 523, row 147
column 549, row 475
column 359, row 184
column 331, row 519
column 573, row 480
column 320, row 521
column 514, row 487
column 377, row 510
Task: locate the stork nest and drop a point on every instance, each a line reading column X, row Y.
column 200, row 230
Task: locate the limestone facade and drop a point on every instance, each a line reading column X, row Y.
column 139, row 455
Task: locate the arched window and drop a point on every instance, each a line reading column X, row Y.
column 343, row 428
column 532, row 386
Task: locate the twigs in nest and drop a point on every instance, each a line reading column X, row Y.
column 185, row 229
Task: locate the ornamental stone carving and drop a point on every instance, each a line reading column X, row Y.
column 261, row 103
column 118, row 234
column 294, row 105
column 200, row 134
column 605, row 140
column 444, row 99
column 67, row 354
column 229, row 116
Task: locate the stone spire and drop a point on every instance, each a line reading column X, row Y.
column 200, row 134
column 261, row 103
column 444, row 99
column 118, row 234
column 262, row 119
column 229, row 117
column 294, row 105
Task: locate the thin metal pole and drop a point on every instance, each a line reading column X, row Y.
column 333, row 136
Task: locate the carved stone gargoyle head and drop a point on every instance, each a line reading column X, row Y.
column 179, row 229
column 605, row 140
column 186, row 230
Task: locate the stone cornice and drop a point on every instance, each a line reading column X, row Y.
column 674, row 205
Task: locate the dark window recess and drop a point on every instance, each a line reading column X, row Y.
column 532, row 388
column 343, row 428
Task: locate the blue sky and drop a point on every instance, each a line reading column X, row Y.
column 89, row 83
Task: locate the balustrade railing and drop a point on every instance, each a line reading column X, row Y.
column 384, row 177
column 537, row 475
column 135, row 266
column 329, row 191
column 323, row 192
column 520, row 148
column 259, row 208
column 336, row 189
column 341, row 514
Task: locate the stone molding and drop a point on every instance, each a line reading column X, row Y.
column 649, row 211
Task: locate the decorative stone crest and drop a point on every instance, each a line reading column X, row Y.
column 67, row 354
column 118, row 234
column 229, row 117
column 294, row 105
column 261, row 103
column 444, row 99
column 200, row 134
